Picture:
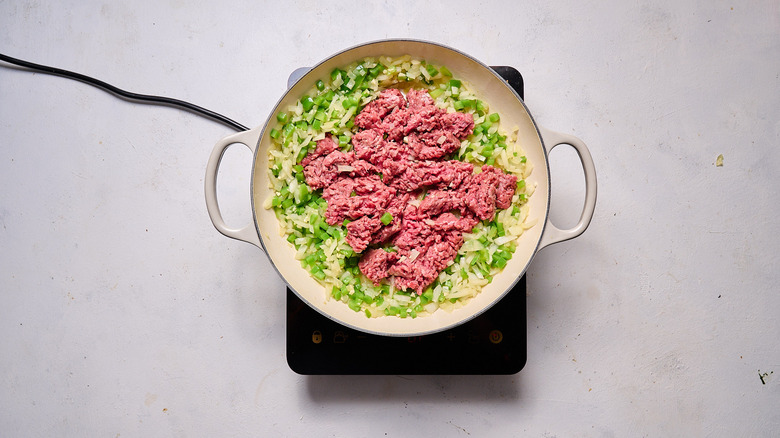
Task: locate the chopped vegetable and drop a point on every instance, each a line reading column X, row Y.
column 386, row 218
column 307, row 103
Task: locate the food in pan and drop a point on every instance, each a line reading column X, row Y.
column 398, row 187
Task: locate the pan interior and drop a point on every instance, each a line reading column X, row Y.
column 501, row 98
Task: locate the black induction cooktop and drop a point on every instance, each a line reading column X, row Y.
column 492, row 343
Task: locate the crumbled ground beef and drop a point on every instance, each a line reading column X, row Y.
column 399, row 156
column 388, row 101
column 360, row 231
column 326, row 165
column 432, row 145
column 489, row 189
column 375, row 263
column 353, row 198
column 414, row 175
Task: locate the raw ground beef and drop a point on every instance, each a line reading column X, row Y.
column 398, row 156
column 353, row 198
column 489, row 189
column 326, row 165
column 375, row 263
column 414, row 175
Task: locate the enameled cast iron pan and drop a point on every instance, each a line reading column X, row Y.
column 536, row 141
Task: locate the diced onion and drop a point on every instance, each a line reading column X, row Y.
column 504, row 239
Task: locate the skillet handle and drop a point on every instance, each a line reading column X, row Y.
column 249, row 139
column 553, row 234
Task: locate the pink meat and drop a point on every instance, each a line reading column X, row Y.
column 505, row 189
column 427, row 245
column 370, row 145
column 368, row 230
column 392, row 169
column 396, row 208
column 371, row 196
column 360, row 232
column 419, row 99
column 317, row 174
column 423, row 120
column 415, row 232
column 394, row 124
column 434, row 144
column 324, row 147
column 398, row 154
column 489, row 189
column 480, row 198
column 418, row 268
column 450, row 222
column 441, row 174
column 325, row 170
column 461, row 125
column 375, row 263
column 373, row 113
column 440, row 201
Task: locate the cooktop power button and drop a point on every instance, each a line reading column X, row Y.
column 496, row 336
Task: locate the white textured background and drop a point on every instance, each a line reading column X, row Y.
column 124, row 313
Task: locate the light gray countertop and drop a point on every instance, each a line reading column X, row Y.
column 124, row 313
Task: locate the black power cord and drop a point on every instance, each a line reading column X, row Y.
column 135, row 97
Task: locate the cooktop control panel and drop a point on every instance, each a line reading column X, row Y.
column 492, row 343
